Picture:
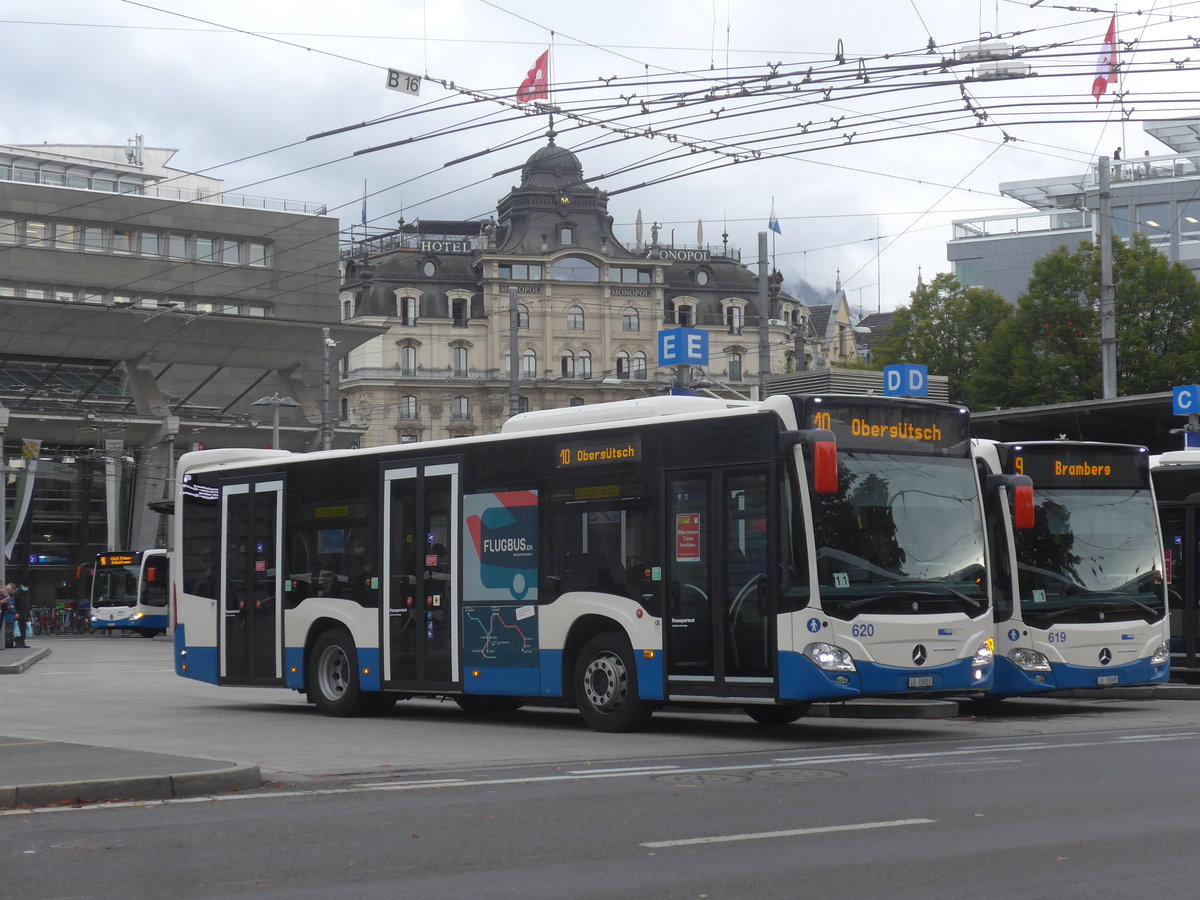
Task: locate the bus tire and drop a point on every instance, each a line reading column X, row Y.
column 486, row 706
column 606, row 689
column 783, row 714
column 333, row 684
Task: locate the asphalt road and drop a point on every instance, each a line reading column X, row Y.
column 1048, row 799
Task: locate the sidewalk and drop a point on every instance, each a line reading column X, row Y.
column 48, row 773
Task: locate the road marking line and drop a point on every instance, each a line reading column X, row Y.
column 629, row 769
column 795, row 832
column 27, row 743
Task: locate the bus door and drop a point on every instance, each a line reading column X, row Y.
column 420, row 608
column 1181, row 545
column 251, row 640
column 721, row 636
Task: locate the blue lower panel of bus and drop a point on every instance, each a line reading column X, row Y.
column 1011, row 681
column 800, row 679
column 955, row 676
column 504, row 681
column 199, row 663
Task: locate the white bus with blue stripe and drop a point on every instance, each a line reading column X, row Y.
column 130, row 590
column 1080, row 596
column 616, row 557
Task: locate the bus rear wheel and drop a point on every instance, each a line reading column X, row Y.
column 777, row 715
column 333, row 676
column 605, row 684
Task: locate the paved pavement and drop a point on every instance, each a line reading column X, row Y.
column 46, row 773
column 49, row 773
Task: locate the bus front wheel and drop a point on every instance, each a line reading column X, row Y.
column 606, row 685
column 333, row 676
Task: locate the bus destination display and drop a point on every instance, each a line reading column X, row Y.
column 590, row 453
column 892, row 427
column 1073, row 465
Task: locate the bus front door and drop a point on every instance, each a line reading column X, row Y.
column 420, row 609
column 1181, row 543
column 720, row 638
column 251, row 650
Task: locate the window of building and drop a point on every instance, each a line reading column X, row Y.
column 8, row 230
column 735, row 367
column 100, row 183
column 177, row 246
column 229, row 252
column 91, row 297
column 574, row 268
column 408, row 360
column 522, row 316
column 429, row 268
column 733, row 318
column 347, row 309
column 461, row 364
column 685, row 315
column 122, row 300
column 1121, row 225
column 345, row 408
column 123, row 239
column 520, row 272
column 256, row 254
column 462, row 408
column 630, row 320
column 584, row 365
column 151, row 245
column 94, row 240
column 639, row 366
column 202, row 306
column 566, row 235
column 36, row 233
column 33, row 293
column 408, row 310
column 78, row 181
column 8, row 290
column 622, row 364
column 460, row 311
column 50, row 176
column 1154, row 219
column 64, row 296
column 206, row 249
column 575, row 401
column 148, row 302
column 702, row 277
column 574, row 318
column 568, row 364
column 630, row 275
column 529, row 364
column 522, row 404
column 66, row 236
column 256, row 311
column 408, row 407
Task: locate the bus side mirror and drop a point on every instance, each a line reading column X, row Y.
column 822, row 455
column 1023, row 506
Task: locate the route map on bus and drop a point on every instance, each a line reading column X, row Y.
column 500, row 636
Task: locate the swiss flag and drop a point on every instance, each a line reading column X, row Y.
column 1106, row 64
column 536, row 85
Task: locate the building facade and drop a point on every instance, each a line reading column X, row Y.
column 143, row 311
column 1156, row 195
column 588, row 311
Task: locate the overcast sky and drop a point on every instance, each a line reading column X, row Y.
column 899, row 148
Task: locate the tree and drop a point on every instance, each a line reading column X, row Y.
column 1049, row 351
column 944, row 328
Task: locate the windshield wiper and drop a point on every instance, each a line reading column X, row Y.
column 978, row 604
column 901, row 595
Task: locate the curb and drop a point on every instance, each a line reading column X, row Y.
column 151, row 787
column 25, row 662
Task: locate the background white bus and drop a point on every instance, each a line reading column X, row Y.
column 130, row 591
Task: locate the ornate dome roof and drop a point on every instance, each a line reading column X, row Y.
column 552, row 167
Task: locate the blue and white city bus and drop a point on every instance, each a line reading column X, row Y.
column 1080, row 595
column 618, row 556
column 130, row 592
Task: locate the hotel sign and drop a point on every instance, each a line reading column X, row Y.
column 446, row 246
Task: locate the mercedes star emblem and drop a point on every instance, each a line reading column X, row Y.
column 1105, row 656
column 919, row 655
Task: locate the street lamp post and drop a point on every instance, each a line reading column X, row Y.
column 275, row 401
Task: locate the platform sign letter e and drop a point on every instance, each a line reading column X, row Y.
column 683, row 346
column 906, row 381
column 1186, row 399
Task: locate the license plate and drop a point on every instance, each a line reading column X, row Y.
column 1106, row 679
column 921, row 681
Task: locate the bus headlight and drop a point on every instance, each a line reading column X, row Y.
column 1161, row 655
column 1029, row 660
column 829, row 658
column 136, row 616
column 984, row 655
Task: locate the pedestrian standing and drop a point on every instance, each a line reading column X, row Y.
column 8, row 615
column 23, row 603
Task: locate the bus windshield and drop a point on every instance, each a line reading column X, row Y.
column 902, row 535
column 115, row 587
column 1091, row 556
